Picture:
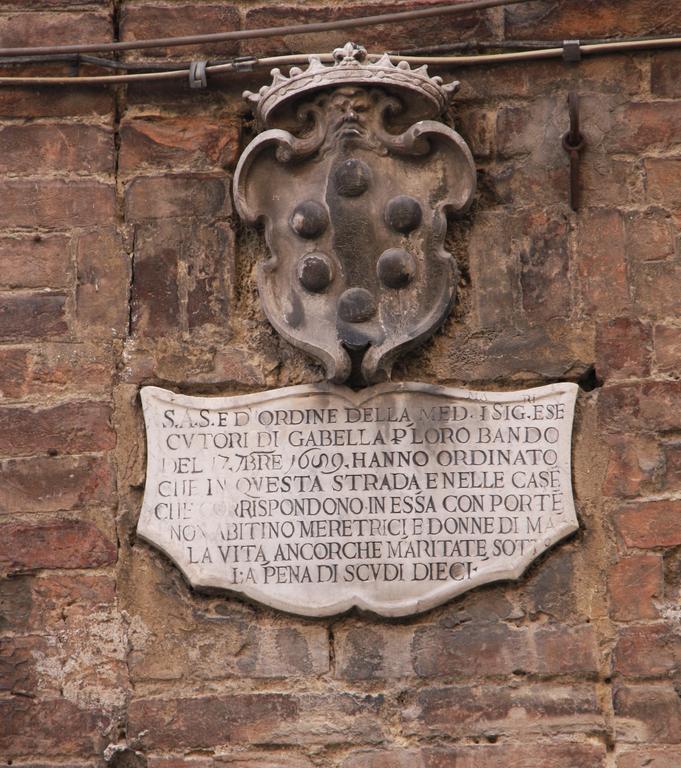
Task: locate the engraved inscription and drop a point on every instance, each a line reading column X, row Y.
column 315, row 498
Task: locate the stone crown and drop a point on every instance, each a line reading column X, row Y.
column 352, row 65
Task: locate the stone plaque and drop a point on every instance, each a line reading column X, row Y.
column 315, row 498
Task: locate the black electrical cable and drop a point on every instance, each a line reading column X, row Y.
column 249, row 34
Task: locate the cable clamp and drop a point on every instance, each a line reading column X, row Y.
column 244, row 63
column 572, row 50
column 197, row 74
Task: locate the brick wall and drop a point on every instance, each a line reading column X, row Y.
column 121, row 264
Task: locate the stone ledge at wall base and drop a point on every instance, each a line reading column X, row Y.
column 316, row 498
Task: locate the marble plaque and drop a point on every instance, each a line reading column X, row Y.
column 315, row 498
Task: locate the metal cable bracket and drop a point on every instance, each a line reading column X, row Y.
column 572, row 50
column 197, row 74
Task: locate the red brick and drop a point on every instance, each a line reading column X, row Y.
column 638, row 126
column 17, row 663
column 659, row 757
column 650, row 524
column 41, row 604
column 52, row 727
column 461, row 711
column 207, row 721
column 591, row 18
column 393, row 758
column 619, row 407
column 663, row 180
column 647, row 650
column 73, row 427
column 170, row 143
column 565, row 650
column 601, row 265
column 634, row 466
column 148, row 22
column 54, row 28
column 668, row 349
column 623, row 348
column 656, row 287
column 63, row 147
column 166, row 250
column 647, row 713
column 277, row 759
column 649, row 235
column 102, row 285
column 13, row 372
column 54, row 203
column 634, row 584
column 670, row 476
column 376, row 39
column 54, row 484
column 665, row 71
column 659, row 405
column 510, row 755
column 172, row 196
column 35, row 262
column 69, row 369
column 52, row 102
column 56, row 544
column 32, row 315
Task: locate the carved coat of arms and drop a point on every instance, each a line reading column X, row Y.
column 353, row 179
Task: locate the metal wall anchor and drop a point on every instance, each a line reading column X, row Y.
column 573, row 143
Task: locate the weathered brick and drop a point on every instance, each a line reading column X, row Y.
column 670, row 474
column 663, row 180
column 13, row 372
column 234, row 648
column 667, row 341
column 593, row 18
column 103, row 275
column 656, row 757
column 375, row 38
column 647, row 650
column 650, row 524
column 167, row 252
column 54, row 484
column 647, row 713
column 638, row 126
column 656, row 289
column 169, row 143
column 51, row 727
column 601, row 265
column 35, row 262
column 634, row 584
column 54, row 544
column 52, row 102
column 634, row 464
column 144, row 22
column 54, row 28
column 249, row 759
column 462, row 711
column 55, row 203
column 623, row 348
column 73, row 427
column 177, row 195
column 514, row 755
column 605, row 178
column 542, row 243
column 31, row 149
column 32, row 315
column 649, row 235
column 68, row 369
column 665, row 74
column 650, row 406
column 17, row 663
column 52, row 599
column 207, row 721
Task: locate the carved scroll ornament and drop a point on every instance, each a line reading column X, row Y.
column 353, row 179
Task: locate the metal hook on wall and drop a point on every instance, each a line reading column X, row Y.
column 573, row 144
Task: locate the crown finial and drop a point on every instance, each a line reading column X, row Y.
column 426, row 97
